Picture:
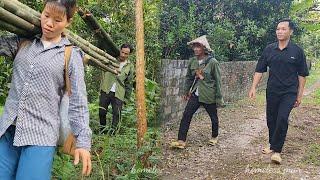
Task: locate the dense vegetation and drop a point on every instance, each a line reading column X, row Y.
column 237, row 30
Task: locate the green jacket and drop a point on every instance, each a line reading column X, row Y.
column 210, row 87
column 124, row 87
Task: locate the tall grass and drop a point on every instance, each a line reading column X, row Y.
column 116, row 156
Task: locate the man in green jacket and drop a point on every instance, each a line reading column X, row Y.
column 116, row 89
column 202, row 88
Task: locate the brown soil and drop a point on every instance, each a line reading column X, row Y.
column 243, row 134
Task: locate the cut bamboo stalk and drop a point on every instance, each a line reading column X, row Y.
column 11, row 28
column 22, row 13
column 25, row 7
column 19, row 22
column 93, row 61
column 88, row 49
column 86, row 43
column 106, row 41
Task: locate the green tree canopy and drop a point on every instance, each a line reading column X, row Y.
column 237, row 30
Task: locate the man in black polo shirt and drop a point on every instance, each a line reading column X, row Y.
column 287, row 72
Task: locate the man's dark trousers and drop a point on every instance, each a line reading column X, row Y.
column 104, row 102
column 279, row 107
column 192, row 106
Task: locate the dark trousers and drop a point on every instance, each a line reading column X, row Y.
column 116, row 104
column 192, row 106
column 278, row 110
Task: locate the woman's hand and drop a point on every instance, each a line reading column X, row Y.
column 85, row 156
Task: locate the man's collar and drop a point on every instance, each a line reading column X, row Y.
column 126, row 61
column 276, row 45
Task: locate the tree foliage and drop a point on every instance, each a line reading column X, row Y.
column 117, row 18
column 309, row 19
column 237, row 30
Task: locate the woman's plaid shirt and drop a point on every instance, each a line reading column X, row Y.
column 36, row 90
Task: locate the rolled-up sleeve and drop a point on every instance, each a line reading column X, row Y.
column 78, row 107
column 9, row 45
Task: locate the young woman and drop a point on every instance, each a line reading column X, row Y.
column 29, row 125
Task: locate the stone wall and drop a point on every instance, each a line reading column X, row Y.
column 236, row 80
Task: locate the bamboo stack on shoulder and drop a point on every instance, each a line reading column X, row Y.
column 22, row 20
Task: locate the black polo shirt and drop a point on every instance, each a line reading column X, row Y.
column 284, row 67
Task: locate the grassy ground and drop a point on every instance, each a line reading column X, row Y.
column 114, row 157
column 314, row 74
column 312, row 156
column 1, row 109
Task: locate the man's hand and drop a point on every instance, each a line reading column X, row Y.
column 84, row 155
column 298, row 102
column 220, row 103
column 199, row 74
column 186, row 97
column 252, row 93
column 302, row 82
column 256, row 79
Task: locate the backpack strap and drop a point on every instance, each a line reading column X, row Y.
column 23, row 43
column 67, row 55
column 206, row 62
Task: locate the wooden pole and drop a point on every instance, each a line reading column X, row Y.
column 140, row 74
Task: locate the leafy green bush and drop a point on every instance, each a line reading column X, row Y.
column 238, row 30
column 1, row 109
column 5, row 78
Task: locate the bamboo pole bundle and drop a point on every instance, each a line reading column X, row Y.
column 8, row 27
column 87, row 49
column 19, row 22
column 106, row 42
column 94, row 62
column 23, row 6
column 20, row 19
column 21, row 11
column 91, row 46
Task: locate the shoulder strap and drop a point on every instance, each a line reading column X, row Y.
column 207, row 62
column 67, row 55
column 23, row 43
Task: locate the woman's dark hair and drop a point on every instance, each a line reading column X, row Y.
column 69, row 5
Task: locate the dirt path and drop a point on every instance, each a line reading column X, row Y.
column 243, row 133
column 315, row 86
